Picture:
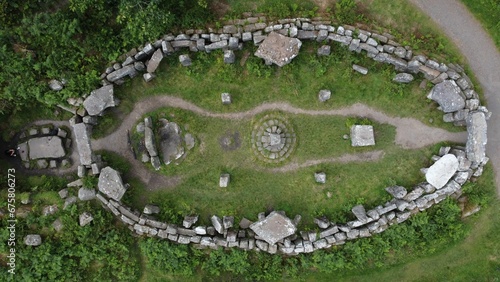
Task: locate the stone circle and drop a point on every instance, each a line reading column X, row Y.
column 273, row 139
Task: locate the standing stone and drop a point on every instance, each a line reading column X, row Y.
column 149, row 142
column 110, row 183
column 151, row 209
column 362, row 135
column 477, row 137
column 448, row 95
column 217, row 223
column 82, row 137
column 324, row 50
column 33, row 240
column 99, row 100
column 278, row 49
column 324, row 95
column 185, row 60
column 360, row 213
column 442, row 171
column 226, row 98
column 155, row 60
column 224, row 180
column 320, row 177
column 229, row 57
column 85, row 218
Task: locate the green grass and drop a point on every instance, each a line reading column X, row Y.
column 488, row 13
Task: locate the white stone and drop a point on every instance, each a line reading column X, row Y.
column 442, row 171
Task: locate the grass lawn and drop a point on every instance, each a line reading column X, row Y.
column 488, row 13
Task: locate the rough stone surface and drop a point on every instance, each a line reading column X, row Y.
column 448, row 95
column 224, row 180
column 403, row 78
column 110, row 183
column 171, row 145
column 85, row 194
column 33, row 240
column 397, row 192
column 360, row 213
column 82, row 137
column 189, row 140
column 324, row 95
column 274, row 228
column 151, row 209
column 360, row 69
column 149, row 142
column 46, row 147
column 324, row 50
column 320, row 177
column 217, row 223
column 362, row 135
column 48, row 210
column 85, row 218
column 99, row 100
column 477, row 137
column 229, row 57
column 226, row 98
column 278, row 49
column 442, row 171
column 55, row 85
column 185, row 60
column 155, row 60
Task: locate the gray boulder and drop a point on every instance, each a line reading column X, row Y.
column 55, row 85
column 185, row 60
column 151, row 209
column 33, row 240
column 397, row 192
column 362, row 135
column 278, row 49
column 324, row 50
column 57, row 225
column 170, row 142
column 189, row 221
column 85, row 194
column 360, row 69
column 99, row 100
column 129, row 71
column 85, row 218
column 217, row 223
column 148, row 77
column 229, row 57
column 45, row 147
column 110, row 183
column 360, row 213
column 403, row 78
column 324, row 95
column 448, row 95
column 155, row 162
column 442, row 171
column 49, row 210
column 226, row 98
column 477, row 137
column 320, row 177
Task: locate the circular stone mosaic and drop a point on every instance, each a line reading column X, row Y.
column 273, row 139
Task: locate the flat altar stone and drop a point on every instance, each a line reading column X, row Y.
column 275, row 139
column 278, row 49
column 48, row 147
column 273, row 228
column 442, row 171
column 362, row 135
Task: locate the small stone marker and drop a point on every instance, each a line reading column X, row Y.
column 320, row 177
column 324, row 95
column 148, row 76
column 324, row 50
column 226, row 98
column 151, row 209
column 185, row 60
column 229, row 57
column 362, row 135
column 33, row 240
column 224, row 180
column 403, row 78
column 441, row 171
column 85, row 218
column 360, row 69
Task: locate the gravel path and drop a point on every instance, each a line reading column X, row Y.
column 482, row 55
column 410, row 133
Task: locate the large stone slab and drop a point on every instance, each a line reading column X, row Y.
column 170, row 142
column 48, row 147
column 274, row 228
column 83, row 145
column 448, row 95
column 278, row 49
column 362, row 135
column 442, row 171
column 129, row 71
column 149, row 142
column 155, row 60
column 110, row 183
column 99, row 100
column 477, row 137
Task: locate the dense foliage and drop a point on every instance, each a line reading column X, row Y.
column 72, row 40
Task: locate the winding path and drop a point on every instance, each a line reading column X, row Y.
column 482, row 55
column 410, row 133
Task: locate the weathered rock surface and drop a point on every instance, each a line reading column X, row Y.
column 224, row 180
column 155, row 60
column 86, row 194
column 403, row 78
column 274, row 228
column 397, row 192
column 477, row 137
column 226, row 98
column 151, row 209
column 99, row 100
column 448, row 95
column 149, row 142
column 362, row 135
column 442, row 171
column 360, row 69
column 278, row 49
column 82, row 138
column 33, row 240
column 170, row 142
column 110, row 183
column 85, row 218
column 324, row 95
column 360, row 213
column 320, row 177
column 55, row 85
column 47, row 147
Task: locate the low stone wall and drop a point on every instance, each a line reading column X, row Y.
column 466, row 162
